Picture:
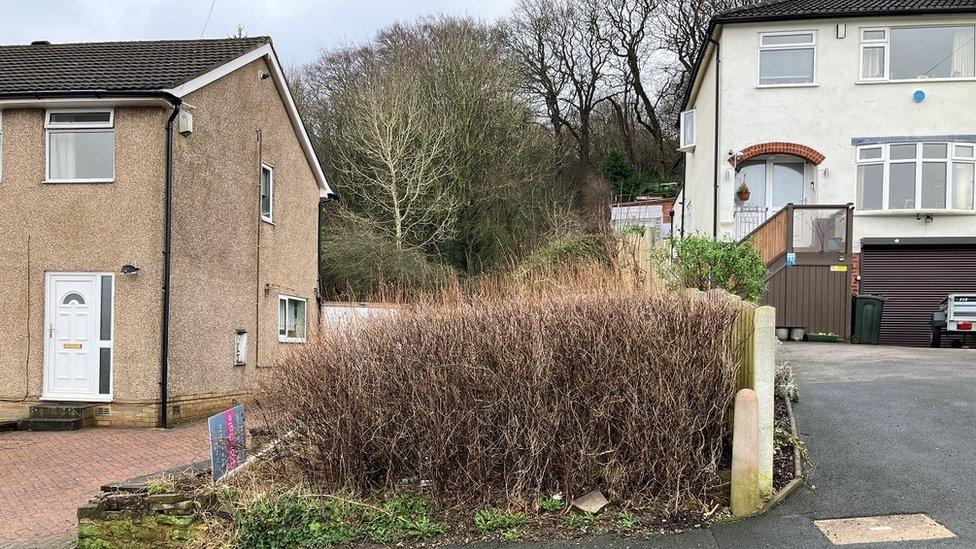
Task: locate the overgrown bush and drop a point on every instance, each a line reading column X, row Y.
column 610, row 386
column 705, row 263
column 358, row 262
column 579, row 248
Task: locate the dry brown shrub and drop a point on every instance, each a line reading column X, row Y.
column 567, row 383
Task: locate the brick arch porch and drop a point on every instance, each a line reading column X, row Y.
column 809, row 154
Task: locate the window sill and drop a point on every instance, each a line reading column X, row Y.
column 70, row 181
column 774, row 86
column 291, row 340
column 910, row 213
column 267, row 220
column 687, row 148
column 916, row 81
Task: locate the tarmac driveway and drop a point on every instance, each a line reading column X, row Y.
column 890, row 430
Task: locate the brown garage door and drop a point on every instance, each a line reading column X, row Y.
column 915, row 278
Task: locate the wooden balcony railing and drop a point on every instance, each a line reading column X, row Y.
column 803, row 228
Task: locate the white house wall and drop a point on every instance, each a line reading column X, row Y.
column 825, row 116
column 697, row 198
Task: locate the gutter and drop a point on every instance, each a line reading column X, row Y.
column 718, row 89
column 167, row 268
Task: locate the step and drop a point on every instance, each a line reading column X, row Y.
column 50, row 424
column 64, row 410
column 8, row 426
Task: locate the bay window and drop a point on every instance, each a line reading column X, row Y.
column 916, row 176
column 80, row 146
column 787, row 58
column 918, row 53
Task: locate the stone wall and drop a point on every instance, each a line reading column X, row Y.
column 139, row 519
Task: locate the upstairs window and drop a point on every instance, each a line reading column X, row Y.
column 267, row 193
column 918, row 53
column 291, row 319
column 687, row 140
column 916, row 176
column 80, row 146
column 787, row 58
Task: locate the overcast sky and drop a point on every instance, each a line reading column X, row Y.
column 300, row 28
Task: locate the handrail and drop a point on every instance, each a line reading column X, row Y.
column 763, row 224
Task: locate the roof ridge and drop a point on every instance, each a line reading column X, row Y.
column 167, row 41
column 746, row 7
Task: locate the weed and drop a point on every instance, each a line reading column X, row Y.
column 513, row 534
column 581, row 520
column 160, row 485
column 627, row 520
column 491, row 519
column 551, row 504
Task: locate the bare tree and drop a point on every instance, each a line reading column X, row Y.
column 399, row 156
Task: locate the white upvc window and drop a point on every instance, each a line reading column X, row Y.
column 291, row 319
column 946, row 52
column 80, row 145
column 240, row 348
column 787, row 58
column 916, row 176
column 267, row 193
column 688, row 131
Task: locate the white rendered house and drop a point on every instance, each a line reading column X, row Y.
column 867, row 103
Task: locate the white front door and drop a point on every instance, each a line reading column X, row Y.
column 773, row 183
column 72, row 336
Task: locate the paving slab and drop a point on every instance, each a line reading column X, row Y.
column 45, row 477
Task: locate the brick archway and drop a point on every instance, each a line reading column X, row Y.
column 778, row 147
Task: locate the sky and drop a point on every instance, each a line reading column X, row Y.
column 299, row 28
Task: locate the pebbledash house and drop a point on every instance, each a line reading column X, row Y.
column 839, row 136
column 159, row 205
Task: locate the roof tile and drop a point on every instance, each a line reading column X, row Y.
column 115, row 66
column 804, row 9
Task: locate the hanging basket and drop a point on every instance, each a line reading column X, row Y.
column 744, row 196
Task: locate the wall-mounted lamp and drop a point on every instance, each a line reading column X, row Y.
column 929, row 218
column 265, row 76
column 129, row 269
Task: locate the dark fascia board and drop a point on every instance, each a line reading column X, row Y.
column 837, row 14
column 919, row 241
column 720, row 20
column 86, row 94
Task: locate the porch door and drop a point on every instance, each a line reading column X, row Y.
column 72, row 318
column 772, row 183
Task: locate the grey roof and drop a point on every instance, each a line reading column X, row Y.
column 772, row 10
column 114, row 66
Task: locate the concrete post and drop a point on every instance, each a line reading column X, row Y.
column 745, row 454
column 764, row 355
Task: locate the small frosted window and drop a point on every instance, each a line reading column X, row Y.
column 73, row 297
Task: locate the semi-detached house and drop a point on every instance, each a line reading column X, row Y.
column 852, row 125
column 159, row 206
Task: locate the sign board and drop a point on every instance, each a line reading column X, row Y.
column 790, row 259
column 838, row 268
column 228, row 441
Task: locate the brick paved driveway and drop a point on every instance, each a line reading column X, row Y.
column 45, row 477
